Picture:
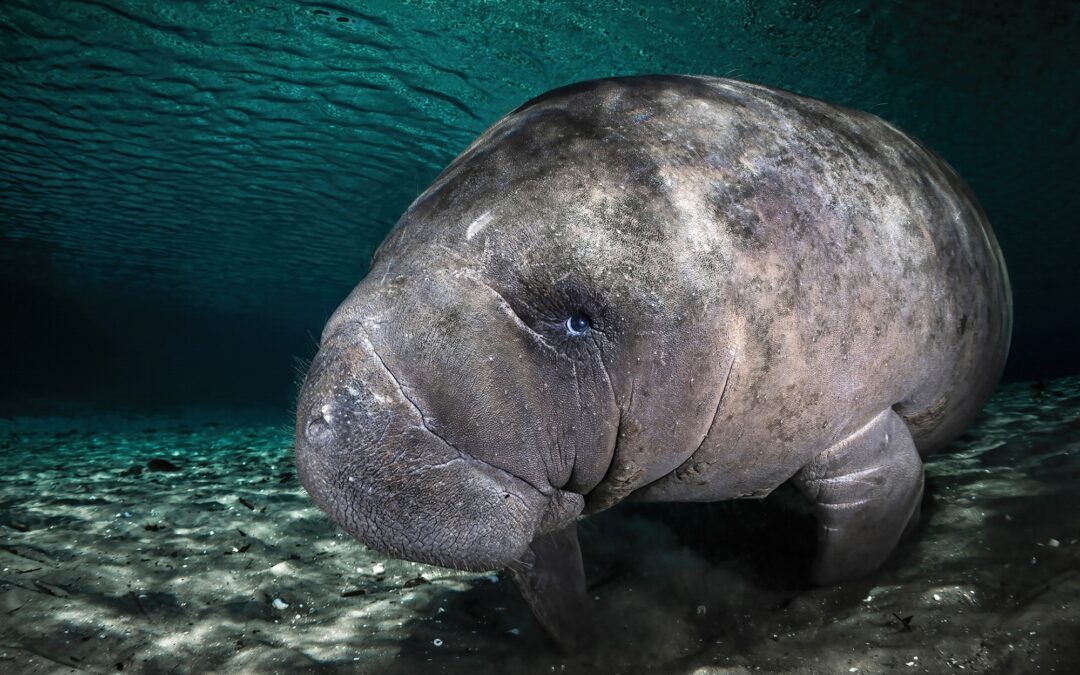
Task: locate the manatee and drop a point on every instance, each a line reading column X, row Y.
column 656, row 288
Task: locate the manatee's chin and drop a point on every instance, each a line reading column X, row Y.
column 460, row 513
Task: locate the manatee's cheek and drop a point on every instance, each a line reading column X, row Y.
column 507, row 388
column 367, row 457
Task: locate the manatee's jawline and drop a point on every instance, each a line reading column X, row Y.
column 546, row 491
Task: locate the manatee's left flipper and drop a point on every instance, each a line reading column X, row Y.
column 551, row 577
column 866, row 491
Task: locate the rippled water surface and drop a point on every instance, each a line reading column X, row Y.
column 240, row 161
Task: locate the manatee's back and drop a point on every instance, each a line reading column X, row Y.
column 849, row 266
column 840, row 191
column 858, row 269
column 981, row 298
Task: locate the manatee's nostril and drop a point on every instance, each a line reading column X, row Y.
column 318, row 431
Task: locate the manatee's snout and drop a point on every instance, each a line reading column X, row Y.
column 369, row 458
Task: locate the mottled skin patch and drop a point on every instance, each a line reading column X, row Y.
column 778, row 287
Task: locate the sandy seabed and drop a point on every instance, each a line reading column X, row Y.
column 184, row 543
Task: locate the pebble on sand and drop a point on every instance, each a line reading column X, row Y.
column 159, row 464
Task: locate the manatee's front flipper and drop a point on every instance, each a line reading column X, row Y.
column 551, row 577
column 866, row 490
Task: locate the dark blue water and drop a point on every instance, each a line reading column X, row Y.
column 188, row 189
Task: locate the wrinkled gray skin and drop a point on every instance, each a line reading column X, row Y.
column 778, row 289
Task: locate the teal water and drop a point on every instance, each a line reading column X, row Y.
column 187, row 189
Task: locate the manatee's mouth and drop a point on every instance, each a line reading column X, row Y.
column 460, row 512
column 367, row 456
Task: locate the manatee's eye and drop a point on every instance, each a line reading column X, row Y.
column 578, row 324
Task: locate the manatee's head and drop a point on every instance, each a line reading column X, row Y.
column 532, row 314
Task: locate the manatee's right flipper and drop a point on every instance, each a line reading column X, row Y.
column 551, row 577
column 866, row 491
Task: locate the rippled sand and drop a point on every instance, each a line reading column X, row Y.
column 224, row 565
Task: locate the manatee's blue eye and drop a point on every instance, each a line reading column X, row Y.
column 577, row 324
